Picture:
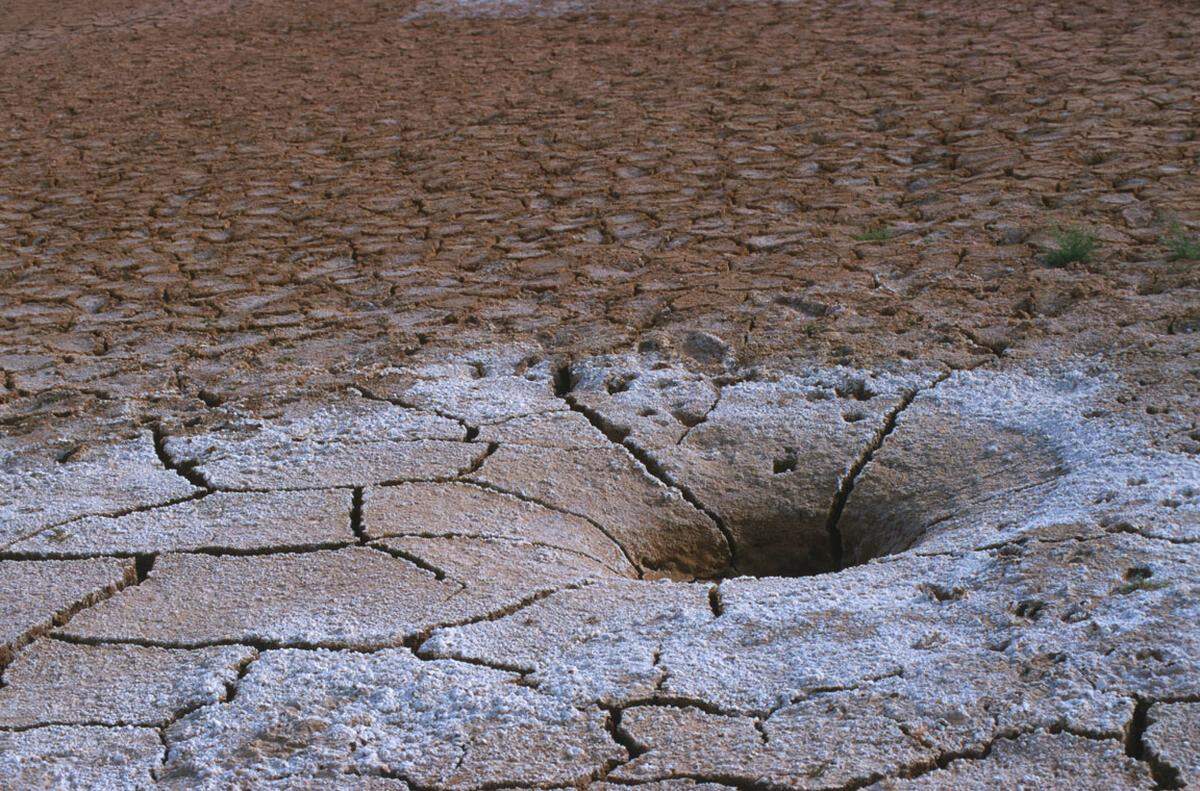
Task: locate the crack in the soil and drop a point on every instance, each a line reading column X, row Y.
column 79, row 723
column 1165, row 775
column 335, row 487
column 912, row 771
column 115, row 514
column 231, row 690
column 677, row 700
column 664, row 673
column 232, row 687
column 250, row 642
column 143, row 564
column 486, row 537
column 479, row 460
column 1024, row 540
column 521, row 672
column 700, row 778
column 412, row 640
column 356, row 515
column 400, row 554
column 563, row 387
column 672, row 700
column 846, row 484
column 491, row 487
column 218, row 551
column 422, row 635
column 185, row 469
column 704, row 418
column 470, row 430
column 60, row 618
column 946, row 757
column 714, row 601
column 1129, row 529
column 621, row 736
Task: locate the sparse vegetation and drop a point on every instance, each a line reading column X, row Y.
column 1071, row 245
column 1180, row 246
column 880, row 233
column 1139, row 578
column 1141, row 585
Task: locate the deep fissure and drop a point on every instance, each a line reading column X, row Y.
column 562, row 388
column 186, row 470
column 1165, row 775
column 846, row 484
column 759, row 559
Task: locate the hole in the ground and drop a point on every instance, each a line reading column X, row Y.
column 885, row 503
column 785, row 463
column 821, row 509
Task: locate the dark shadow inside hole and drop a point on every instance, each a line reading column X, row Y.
column 962, row 476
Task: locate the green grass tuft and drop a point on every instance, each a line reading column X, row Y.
column 1180, row 246
column 878, row 234
column 1072, row 244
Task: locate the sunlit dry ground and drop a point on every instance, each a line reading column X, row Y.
column 464, row 395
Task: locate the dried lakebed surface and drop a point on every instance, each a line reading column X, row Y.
column 468, row 395
column 490, row 570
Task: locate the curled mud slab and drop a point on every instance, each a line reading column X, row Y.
column 465, row 395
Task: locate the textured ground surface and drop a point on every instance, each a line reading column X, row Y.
column 454, row 394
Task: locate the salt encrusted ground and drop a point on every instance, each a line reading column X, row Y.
column 468, row 395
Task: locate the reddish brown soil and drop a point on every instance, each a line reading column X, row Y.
column 196, row 195
column 380, row 251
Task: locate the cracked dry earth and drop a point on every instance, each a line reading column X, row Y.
column 475, row 394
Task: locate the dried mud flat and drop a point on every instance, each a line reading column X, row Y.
column 463, row 395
